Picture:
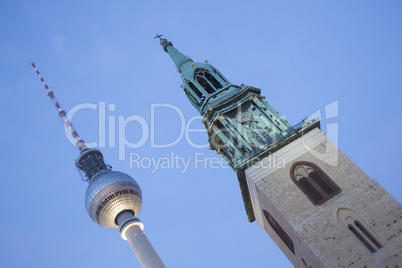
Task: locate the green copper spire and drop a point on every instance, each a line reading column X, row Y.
column 178, row 57
column 242, row 126
column 238, row 119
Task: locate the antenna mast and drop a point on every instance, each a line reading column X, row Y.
column 79, row 142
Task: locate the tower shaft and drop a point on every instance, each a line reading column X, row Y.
column 143, row 249
column 132, row 229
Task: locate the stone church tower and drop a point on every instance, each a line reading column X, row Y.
column 318, row 206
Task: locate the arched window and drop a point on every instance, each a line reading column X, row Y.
column 201, row 80
column 367, row 237
column 212, row 80
column 195, row 90
column 206, row 80
column 192, row 99
column 279, row 231
column 313, row 181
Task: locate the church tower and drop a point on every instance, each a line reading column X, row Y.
column 318, row 206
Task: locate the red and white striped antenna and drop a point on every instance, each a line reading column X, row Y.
column 79, row 142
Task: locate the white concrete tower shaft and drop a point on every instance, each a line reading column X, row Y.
column 132, row 229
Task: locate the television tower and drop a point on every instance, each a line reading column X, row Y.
column 113, row 199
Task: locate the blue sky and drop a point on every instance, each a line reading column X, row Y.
column 303, row 56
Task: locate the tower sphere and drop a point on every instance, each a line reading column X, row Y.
column 109, row 194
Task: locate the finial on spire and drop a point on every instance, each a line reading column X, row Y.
column 163, row 41
column 79, row 142
column 158, row 36
column 178, row 57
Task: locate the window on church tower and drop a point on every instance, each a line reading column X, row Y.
column 212, row 80
column 313, row 182
column 357, row 226
column 195, row 90
column 206, row 80
column 279, row 231
column 191, row 97
column 201, row 80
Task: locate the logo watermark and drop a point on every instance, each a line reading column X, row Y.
column 112, row 131
column 147, row 132
column 331, row 153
